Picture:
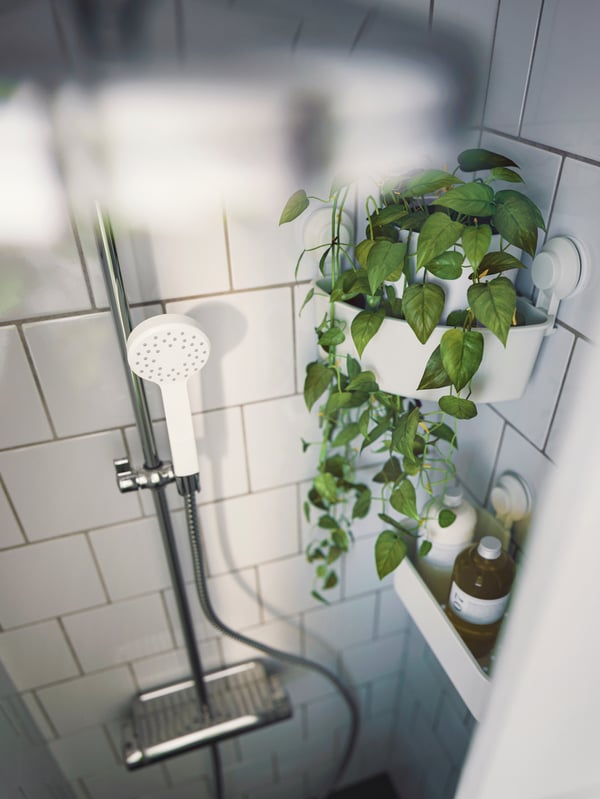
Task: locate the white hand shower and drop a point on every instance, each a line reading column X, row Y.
column 168, row 349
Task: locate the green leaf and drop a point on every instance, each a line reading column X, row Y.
column 448, row 265
column 327, row 522
column 503, row 173
column 423, row 305
column 306, row 507
column 478, row 158
column 337, row 400
column 428, row 182
column 363, row 422
column 403, row 437
column 389, row 215
column 446, row 517
column 476, row 242
column 364, row 326
column 362, row 250
column 458, row 407
column 495, row 262
column 305, row 445
column 331, row 337
column 308, row 298
column 457, row 318
column 425, row 548
column 434, row 376
column 340, row 538
column 331, row 580
column 445, row 433
column 404, row 500
column 346, row 435
column 461, row 351
column 316, row 595
column 390, row 472
column 352, row 367
column 323, row 260
column 517, row 219
column 494, row 304
column 384, row 258
column 390, row 551
column 390, row 520
column 365, row 381
column 471, row 199
column 362, row 505
column 318, row 378
column 437, row 235
column 297, row 203
column 326, row 485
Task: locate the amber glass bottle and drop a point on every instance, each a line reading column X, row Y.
column 481, row 583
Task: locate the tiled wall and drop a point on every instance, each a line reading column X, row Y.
column 86, row 611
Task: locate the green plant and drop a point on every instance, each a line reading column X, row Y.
column 455, row 221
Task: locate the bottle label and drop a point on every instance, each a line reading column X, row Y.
column 476, row 611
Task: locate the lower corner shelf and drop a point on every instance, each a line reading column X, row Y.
column 471, row 682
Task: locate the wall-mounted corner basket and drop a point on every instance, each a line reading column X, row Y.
column 398, row 359
column 512, row 495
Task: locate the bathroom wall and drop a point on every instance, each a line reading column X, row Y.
column 86, row 611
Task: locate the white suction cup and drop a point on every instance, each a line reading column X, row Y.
column 168, row 349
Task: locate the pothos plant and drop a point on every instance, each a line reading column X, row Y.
column 455, row 221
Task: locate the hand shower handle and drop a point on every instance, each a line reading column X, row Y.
column 180, row 428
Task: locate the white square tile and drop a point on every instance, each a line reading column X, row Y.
column 384, row 695
column 82, row 374
column 305, row 321
column 573, row 215
column 124, row 784
column 36, row 655
column 370, row 661
column 452, row 734
column 341, row 625
column 22, row 416
column 513, row 50
column 478, row 441
column 518, row 455
column 10, row 533
column 286, row 585
column 73, row 484
column 583, row 360
column 274, row 431
column 359, row 570
column 88, row 701
column 532, row 413
column 392, row 617
column 86, row 753
column 563, row 78
column 44, row 580
column 252, row 347
column 220, row 447
column 283, row 634
column 37, row 717
column 173, row 666
column 116, row 633
column 131, row 558
column 248, row 530
column 158, row 266
column 279, row 737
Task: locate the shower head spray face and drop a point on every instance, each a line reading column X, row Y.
column 167, row 350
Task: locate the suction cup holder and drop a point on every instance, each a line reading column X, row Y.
column 557, row 272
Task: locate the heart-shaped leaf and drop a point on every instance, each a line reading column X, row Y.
column 362, row 251
column 434, row 376
column 384, row 258
column 446, row 517
column 423, row 305
column 389, row 215
column 495, row 262
column 437, row 235
column 458, row 407
column 318, row 377
column 404, row 500
column 346, row 435
column 326, row 486
column 461, row 352
column 448, row 265
column 390, row 551
column 363, row 503
column 494, row 304
column 296, row 204
column 331, row 337
column 364, row 381
column 428, row 182
column 478, row 158
column 403, row 437
column 503, row 173
column 471, row 199
column 517, row 219
column 389, row 472
column 364, row 326
column 476, row 242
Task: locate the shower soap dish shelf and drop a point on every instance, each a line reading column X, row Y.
column 167, row 721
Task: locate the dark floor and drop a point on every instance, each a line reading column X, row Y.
column 379, row 787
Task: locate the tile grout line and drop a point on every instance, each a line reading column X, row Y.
column 70, row 647
column 13, row 508
column 227, row 239
column 36, row 380
column 530, row 68
column 489, row 69
column 559, row 397
column 541, row 146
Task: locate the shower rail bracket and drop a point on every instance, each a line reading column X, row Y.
column 129, row 479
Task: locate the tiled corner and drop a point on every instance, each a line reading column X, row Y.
column 10, row 533
column 120, row 632
column 44, row 580
column 251, row 347
column 37, row 655
column 131, row 558
column 583, row 359
column 72, row 482
column 392, row 616
column 273, row 433
column 366, row 662
column 22, row 416
column 532, row 413
column 565, row 66
column 513, row 51
column 88, row 701
column 573, row 215
column 248, row 530
column 286, row 585
column 478, row 441
column 81, row 372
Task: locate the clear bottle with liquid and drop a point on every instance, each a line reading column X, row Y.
column 447, row 542
column 481, row 581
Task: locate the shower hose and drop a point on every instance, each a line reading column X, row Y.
column 193, row 526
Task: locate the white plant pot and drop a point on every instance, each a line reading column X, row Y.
column 398, row 359
column 455, row 290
